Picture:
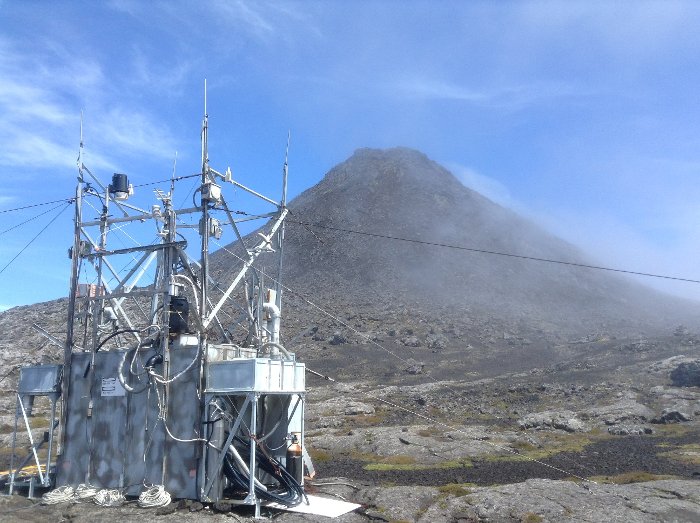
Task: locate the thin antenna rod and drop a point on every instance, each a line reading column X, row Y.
column 80, row 148
column 205, row 126
column 172, row 178
column 285, row 171
column 280, row 234
column 204, row 230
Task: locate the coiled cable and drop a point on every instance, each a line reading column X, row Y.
column 155, row 496
column 109, row 498
column 84, row 492
column 58, row 495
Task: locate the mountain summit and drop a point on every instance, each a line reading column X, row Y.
column 388, row 196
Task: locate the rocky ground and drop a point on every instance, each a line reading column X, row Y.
column 468, row 387
column 438, row 417
column 609, row 430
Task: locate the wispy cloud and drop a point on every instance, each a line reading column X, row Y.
column 513, row 97
column 41, row 106
column 484, row 185
column 133, row 133
column 163, row 78
column 7, row 200
column 267, row 22
column 32, row 151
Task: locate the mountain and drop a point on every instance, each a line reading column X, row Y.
column 354, row 290
column 401, row 193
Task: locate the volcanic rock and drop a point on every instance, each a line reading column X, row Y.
column 562, row 420
column 686, row 374
column 672, row 415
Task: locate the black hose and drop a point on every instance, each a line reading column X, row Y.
column 290, row 493
column 115, row 333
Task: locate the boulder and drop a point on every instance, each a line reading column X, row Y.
column 672, row 415
column 627, row 409
column 630, row 430
column 411, row 341
column 357, row 407
column 436, row 342
column 338, row 339
column 414, row 367
column 561, row 420
column 686, row 374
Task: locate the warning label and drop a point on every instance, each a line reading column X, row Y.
column 112, row 387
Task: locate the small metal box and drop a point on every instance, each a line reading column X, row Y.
column 40, row 379
column 256, row 375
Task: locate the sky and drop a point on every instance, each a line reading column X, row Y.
column 583, row 116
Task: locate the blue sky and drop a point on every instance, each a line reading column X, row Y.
column 584, row 116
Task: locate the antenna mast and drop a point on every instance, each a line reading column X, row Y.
column 75, row 269
column 204, row 223
column 280, row 234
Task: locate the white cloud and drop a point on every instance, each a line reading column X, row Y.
column 41, row 106
column 132, row 132
column 267, row 22
column 504, row 97
column 33, row 151
column 608, row 240
column 484, row 185
column 164, row 78
column 671, row 249
column 7, row 200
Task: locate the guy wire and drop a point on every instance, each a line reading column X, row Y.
column 423, row 416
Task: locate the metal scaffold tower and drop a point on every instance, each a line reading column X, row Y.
column 174, row 373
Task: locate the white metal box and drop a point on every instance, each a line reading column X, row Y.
column 256, row 375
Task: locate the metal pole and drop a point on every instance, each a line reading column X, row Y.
column 205, row 220
column 75, row 266
column 14, row 444
column 253, row 445
column 280, row 234
column 51, row 427
column 31, row 439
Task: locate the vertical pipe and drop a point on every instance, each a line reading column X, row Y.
column 280, row 233
column 97, row 307
column 68, row 348
column 14, row 444
column 51, row 427
column 216, row 440
column 253, row 445
column 205, row 218
column 98, row 302
column 170, row 256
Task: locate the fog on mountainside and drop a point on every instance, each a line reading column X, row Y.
column 368, row 289
column 402, row 193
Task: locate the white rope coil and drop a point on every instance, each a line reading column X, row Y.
column 59, row 495
column 84, row 492
column 109, row 498
column 156, row 496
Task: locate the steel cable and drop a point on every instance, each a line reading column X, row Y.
column 434, row 380
column 497, row 253
column 33, row 239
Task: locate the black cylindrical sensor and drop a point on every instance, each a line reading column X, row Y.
column 120, row 183
column 179, row 314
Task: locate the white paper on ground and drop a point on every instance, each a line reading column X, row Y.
column 331, row 508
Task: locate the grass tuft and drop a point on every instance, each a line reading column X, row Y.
column 630, row 477
column 455, row 489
